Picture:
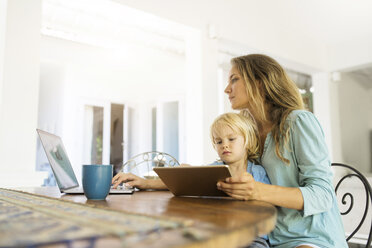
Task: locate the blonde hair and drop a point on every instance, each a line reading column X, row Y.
column 270, row 89
column 243, row 125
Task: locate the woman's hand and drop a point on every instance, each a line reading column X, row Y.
column 130, row 180
column 242, row 187
column 185, row 165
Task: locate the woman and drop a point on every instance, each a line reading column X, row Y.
column 293, row 152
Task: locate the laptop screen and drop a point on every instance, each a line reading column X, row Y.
column 58, row 160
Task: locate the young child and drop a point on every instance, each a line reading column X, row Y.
column 235, row 138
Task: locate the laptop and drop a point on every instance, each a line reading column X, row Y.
column 61, row 166
column 194, row 180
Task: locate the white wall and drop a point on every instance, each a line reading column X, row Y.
column 210, row 92
column 194, row 99
column 370, row 126
column 51, row 95
column 85, row 74
column 370, row 109
column 50, row 104
column 3, row 17
column 135, row 73
column 355, row 106
column 335, row 122
column 322, row 105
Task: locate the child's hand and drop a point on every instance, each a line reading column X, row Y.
column 130, row 180
column 242, row 187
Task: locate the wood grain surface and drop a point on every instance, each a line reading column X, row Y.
column 210, row 222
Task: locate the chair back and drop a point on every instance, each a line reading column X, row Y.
column 142, row 164
column 347, row 198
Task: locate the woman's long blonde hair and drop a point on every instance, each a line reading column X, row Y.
column 270, row 89
column 242, row 125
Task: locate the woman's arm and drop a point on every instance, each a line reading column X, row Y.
column 136, row 181
column 244, row 187
column 313, row 164
column 281, row 196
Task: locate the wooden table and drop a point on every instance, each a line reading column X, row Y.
column 214, row 222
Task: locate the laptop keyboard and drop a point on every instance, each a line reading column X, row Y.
column 121, row 188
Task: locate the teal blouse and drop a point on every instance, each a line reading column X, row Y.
column 319, row 223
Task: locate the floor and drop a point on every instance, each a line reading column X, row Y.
column 356, row 246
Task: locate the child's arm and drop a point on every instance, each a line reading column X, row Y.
column 136, row 181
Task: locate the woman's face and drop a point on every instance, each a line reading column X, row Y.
column 236, row 91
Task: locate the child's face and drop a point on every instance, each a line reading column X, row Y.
column 229, row 145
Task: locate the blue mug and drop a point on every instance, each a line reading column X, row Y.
column 97, row 180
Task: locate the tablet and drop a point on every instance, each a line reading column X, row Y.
column 194, row 180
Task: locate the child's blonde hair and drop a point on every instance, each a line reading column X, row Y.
column 243, row 125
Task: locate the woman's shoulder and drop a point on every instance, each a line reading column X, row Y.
column 303, row 121
column 300, row 114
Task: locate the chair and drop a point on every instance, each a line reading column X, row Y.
column 348, row 198
column 142, row 164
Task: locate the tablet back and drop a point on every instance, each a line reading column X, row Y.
column 194, row 180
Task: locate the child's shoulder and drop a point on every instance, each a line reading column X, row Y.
column 254, row 165
column 258, row 172
column 217, row 162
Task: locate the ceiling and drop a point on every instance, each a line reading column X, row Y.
column 107, row 24
column 317, row 25
column 149, row 23
column 328, row 22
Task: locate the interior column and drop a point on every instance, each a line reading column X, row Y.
column 19, row 87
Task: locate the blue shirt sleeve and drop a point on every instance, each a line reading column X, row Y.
column 217, row 163
column 258, row 172
column 311, row 154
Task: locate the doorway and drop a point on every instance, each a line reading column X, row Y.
column 105, row 134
